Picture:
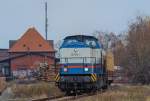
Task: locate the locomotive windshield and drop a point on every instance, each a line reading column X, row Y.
column 87, row 41
column 90, row 43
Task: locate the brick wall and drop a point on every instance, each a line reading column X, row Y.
column 30, row 62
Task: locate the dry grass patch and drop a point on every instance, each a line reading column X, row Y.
column 123, row 93
column 2, row 84
column 37, row 90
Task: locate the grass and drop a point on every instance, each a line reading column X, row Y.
column 37, row 90
column 123, row 93
column 114, row 93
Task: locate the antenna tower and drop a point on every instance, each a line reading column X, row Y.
column 46, row 21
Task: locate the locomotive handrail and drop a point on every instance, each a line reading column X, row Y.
column 84, row 60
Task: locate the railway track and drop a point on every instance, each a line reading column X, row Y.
column 67, row 98
column 60, row 98
column 48, row 99
column 64, row 98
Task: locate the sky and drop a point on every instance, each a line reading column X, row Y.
column 66, row 17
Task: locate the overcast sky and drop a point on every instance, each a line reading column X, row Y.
column 67, row 16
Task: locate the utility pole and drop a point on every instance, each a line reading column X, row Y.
column 46, row 21
column 46, row 29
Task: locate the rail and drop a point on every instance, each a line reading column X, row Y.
column 69, row 98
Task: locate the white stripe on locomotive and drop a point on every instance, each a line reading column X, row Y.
column 73, row 55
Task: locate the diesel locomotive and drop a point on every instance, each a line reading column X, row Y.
column 83, row 65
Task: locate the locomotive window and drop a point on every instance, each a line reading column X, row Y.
column 90, row 43
column 71, row 41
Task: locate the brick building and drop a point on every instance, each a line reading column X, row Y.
column 28, row 52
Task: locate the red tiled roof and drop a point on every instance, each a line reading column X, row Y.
column 32, row 41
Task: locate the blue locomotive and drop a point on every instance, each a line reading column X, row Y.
column 82, row 65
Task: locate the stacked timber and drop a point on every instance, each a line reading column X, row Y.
column 46, row 73
column 50, row 74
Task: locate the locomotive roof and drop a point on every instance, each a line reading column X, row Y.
column 80, row 37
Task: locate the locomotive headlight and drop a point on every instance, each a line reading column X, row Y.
column 65, row 69
column 86, row 69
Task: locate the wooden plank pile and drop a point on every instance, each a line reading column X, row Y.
column 46, row 73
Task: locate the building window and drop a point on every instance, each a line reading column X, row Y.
column 52, row 54
column 24, row 45
column 40, row 45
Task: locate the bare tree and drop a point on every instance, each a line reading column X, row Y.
column 119, row 51
column 137, row 52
